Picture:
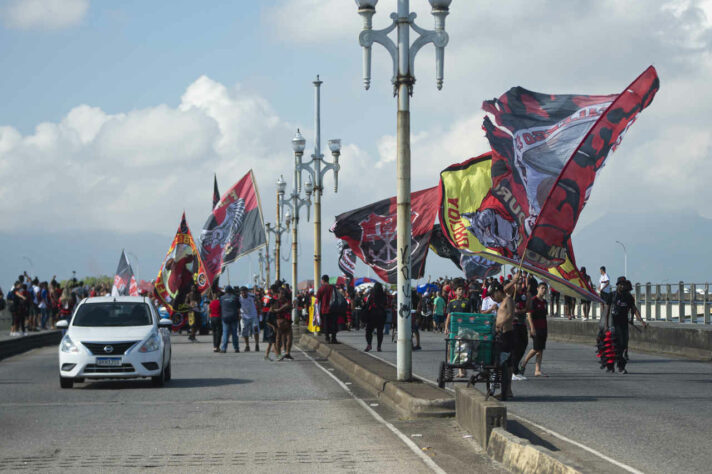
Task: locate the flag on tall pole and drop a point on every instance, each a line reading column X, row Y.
column 347, row 259
column 124, row 280
column 180, row 271
column 234, row 228
column 216, row 193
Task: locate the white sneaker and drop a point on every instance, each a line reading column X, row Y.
column 516, row 377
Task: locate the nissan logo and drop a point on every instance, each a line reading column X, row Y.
column 108, row 349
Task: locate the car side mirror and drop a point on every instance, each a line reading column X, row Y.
column 165, row 323
column 62, row 324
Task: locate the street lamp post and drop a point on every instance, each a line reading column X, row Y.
column 297, row 202
column 403, row 55
column 317, row 168
column 625, row 258
column 278, row 229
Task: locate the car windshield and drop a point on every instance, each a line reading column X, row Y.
column 112, row 314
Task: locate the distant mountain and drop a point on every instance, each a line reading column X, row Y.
column 662, row 248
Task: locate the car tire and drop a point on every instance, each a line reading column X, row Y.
column 65, row 382
column 168, row 372
column 159, row 380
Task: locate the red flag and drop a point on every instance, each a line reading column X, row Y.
column 234, row 227
column 371, row 233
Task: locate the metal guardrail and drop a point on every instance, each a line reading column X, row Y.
column 662, row 302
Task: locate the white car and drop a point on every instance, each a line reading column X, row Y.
column 115, row 337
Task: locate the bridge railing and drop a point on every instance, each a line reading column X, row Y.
column 673, row 302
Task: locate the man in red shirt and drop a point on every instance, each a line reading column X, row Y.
column 215, row 318
column 536, row 316
column 328, row 320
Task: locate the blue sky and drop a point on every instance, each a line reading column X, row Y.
column 116, row 114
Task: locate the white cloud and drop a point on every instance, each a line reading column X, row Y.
column 44, row 14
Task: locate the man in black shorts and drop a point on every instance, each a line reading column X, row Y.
column 536, row 315
column 504, row 326
column 622, row 303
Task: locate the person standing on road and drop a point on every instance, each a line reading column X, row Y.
column 328, row 318
column 215, row 319
column 375, row 309
column 282, row 309
column 504, row 332
column 194, row 319
column 519, row 325
column 622, row 303
column 536, row 316
column 606, row 292
column 459, row 304
column 585, row 303
column 250, row 319
column 230, row 313
column 439, row 311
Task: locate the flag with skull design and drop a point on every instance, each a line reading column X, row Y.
column 234, row 228
column 371, row 233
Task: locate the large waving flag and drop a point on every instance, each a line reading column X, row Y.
column 548, row 150
column 180, row 271
column 371, row 233
column 347, row 259
column 124, row 280
column 234, row 228
column 216, row 193
column 473, row 266
column 474, row 226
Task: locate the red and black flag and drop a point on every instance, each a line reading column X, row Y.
column 216, row 193
column 371, row 233
column 124, row 280
column 180, row 271
column 347, row 259
column 547, row 151
column 473, row 266
column 234, row 228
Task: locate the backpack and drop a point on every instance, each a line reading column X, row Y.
column 337, row 303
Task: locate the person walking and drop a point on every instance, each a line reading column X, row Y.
column 230, row 315
column 519, row 325
column 586, row 303
column 375, row 309
column 536, row 316
column 606, row 292
column 504, row 332
column 215, row 318
column 622, row 303
column 282, row 309
column 439, row 311
column 250, row 319
column 328, row 317
column 194, row 318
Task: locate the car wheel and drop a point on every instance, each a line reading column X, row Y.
column 168, row 372
column 159, row 380
column 65, row 382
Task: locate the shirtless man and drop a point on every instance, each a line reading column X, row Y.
column 504, row 326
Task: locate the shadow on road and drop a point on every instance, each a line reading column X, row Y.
column 522, row 431
column 174, row 383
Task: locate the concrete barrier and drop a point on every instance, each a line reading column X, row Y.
column 477, row 415
column 690, row 341
column 520, row 456
column 18, row 345
column 410, row 399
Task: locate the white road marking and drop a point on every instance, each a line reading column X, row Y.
column 547, row 430
column 413, row 447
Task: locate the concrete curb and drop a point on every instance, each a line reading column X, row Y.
column 410, row 399
column 18, row 345
column 477, row 415
column 659, row 338
column 520, row 456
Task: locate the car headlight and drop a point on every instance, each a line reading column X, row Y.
column 67, row 345
column 151, row 344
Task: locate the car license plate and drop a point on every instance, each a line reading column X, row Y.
column 109, row 361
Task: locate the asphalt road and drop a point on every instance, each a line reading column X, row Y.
column 655, row 419
column 221, row 412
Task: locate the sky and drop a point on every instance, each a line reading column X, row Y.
column 115, row 114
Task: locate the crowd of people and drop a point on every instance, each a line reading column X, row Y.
column 35, row 305
column 518, row 300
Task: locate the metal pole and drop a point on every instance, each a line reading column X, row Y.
column 277, row 241
column 668, row 302
column 267, row 266
column 295, row 227
column 707, row 303
column 404, row 81
column 657, row 303
column 648, row 312
column 681, row 301
column 693, row 303
column 318, row 188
